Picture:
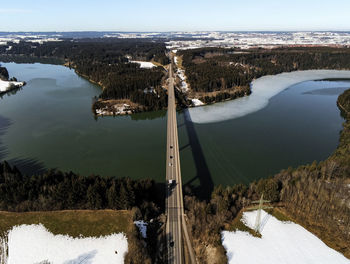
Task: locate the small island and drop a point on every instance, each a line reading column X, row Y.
column 7, row 84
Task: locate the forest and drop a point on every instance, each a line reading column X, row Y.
column 4, row 75
column 105, row 62
column 56, row 190
column 220, row 70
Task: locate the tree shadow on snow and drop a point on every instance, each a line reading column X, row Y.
column 264, row 222
column 85, row 258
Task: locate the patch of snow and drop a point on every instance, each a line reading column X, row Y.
column 181, row 74
column 184, row 86
column 281, row 242
column 149, row 90
column 175, row 59
column 6, row 85
column 145, row 64
column 142, row 226
column 197, row 102
column 28, row 244
column 119, row 109
column 263, row 89
column 174, row 50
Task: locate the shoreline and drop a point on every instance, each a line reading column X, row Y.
column 214, row 111
column 262, row 89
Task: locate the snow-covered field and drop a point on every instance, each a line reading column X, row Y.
column 145, row 64
column 28, row 244
column 246, row 40
column 281, row 243
column 6, row 85
column 263, row 89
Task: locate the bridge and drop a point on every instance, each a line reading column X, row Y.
column 176, row 229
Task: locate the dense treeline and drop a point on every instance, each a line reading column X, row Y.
column 215, row 69
column 4, row 75
column 105, row 61
column 222, row 96
column 344, row 104
column 55, row 190
column 315, row 195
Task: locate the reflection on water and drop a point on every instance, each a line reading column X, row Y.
column 10, row 92
column 4, row 125
column 28, row 166
column 49, row 124
column 327, row 91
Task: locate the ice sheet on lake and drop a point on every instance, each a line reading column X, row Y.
column 263, row 89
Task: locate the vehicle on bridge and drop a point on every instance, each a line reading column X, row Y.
column 171, row 183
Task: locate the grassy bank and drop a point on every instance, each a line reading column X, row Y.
column 72, row 222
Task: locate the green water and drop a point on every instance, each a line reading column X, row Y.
column 49, row 124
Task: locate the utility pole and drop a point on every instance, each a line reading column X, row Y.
column 259, row 207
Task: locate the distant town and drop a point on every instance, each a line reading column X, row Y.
column 198, row 39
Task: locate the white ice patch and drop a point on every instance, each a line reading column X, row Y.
column 28, row 244
column 6, row 85
column 145, row 64
column 197, row 102
column 142, row 226
column 263, row 89
column 281, row 242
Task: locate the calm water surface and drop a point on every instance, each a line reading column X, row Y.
column 49, row 124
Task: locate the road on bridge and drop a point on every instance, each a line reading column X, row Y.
column 176, row 228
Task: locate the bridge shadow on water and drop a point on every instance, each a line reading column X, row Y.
column 206, row 185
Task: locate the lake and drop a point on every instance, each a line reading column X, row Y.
column 49, row 124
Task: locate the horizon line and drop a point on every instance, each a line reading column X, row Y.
column 172, row 31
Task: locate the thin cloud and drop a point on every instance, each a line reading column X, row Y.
column 14, row 11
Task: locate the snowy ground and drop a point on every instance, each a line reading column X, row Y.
column 263, row 89
column 145, row 64
column 181, row 74
column 281, row 243
column 6, row 85
column 197, row 102
column 28, row 244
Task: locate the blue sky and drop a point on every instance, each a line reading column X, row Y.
column 165, row 15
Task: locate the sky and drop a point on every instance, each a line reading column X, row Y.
column 175, row 15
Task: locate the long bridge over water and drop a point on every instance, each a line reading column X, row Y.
column 177, row 237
